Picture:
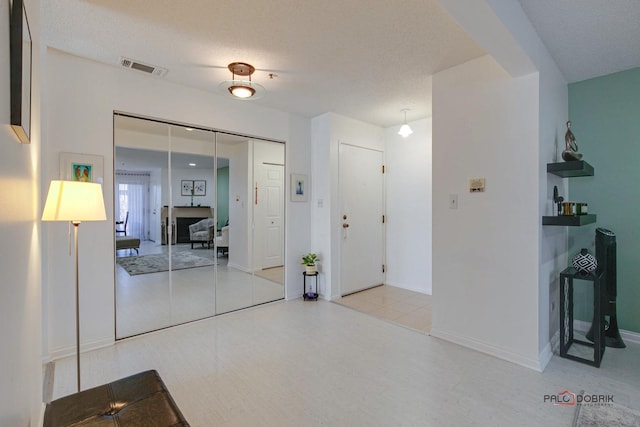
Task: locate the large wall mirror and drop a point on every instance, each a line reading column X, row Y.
column 199, row 223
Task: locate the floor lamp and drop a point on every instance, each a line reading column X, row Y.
column 75, row 202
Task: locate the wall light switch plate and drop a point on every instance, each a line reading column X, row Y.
column 453, row 201
column 476, row 185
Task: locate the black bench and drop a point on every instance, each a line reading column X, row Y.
column 139, row 400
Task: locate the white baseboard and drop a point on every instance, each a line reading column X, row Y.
column 555, row 342
column 545, row 356
column 67, row 351
column 239, row 267
column 582, row 326
column 501, row 353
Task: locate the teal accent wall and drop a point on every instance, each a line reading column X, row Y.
column 605, row 118
column 223, row 196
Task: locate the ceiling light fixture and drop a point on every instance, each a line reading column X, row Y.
column 241, row 89
column 193, row 165
column 405, row 129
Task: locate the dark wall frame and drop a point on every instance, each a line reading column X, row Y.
column 21, row 59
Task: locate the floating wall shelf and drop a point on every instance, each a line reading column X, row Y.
column 570, row 169
column 569, row 221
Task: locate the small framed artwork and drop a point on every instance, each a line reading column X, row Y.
column 186, row 188
column 81, row 167
column 199, row 188
column 299, row 188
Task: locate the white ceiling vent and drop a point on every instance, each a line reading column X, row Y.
column 137, row 65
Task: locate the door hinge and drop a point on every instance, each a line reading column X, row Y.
column 383, row 268
column 383, row 219
column 382, row 168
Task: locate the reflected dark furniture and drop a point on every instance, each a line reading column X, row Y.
column 139, row 400
column 121, row 226
column 567, row 338
column 182, row 228
column 127, row 242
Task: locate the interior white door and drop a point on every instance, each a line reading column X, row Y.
column 361, row 221
column 272, row 211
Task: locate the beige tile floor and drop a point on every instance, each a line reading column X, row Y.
column 407, row 308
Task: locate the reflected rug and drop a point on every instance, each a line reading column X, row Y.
column 155, row 263
column 594, row 415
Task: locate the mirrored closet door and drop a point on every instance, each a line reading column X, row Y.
column 199, row 223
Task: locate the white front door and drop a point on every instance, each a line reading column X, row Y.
column 361, row 216
column 271, row 215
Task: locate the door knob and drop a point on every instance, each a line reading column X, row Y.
column 345, row 225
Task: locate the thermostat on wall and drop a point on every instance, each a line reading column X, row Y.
column 476, row 185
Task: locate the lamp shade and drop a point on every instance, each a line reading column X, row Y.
column 405, row 130
column 74, row 201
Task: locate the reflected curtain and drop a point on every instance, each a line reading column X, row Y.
column 132, row 195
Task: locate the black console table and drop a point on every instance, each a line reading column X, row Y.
column 567, row 277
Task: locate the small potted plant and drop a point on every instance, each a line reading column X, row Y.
column 309, row 260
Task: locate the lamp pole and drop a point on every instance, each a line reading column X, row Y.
column 76, row 224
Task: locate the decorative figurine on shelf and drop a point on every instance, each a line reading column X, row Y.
column 570, row 152
column 557, row 199
column 584, row 262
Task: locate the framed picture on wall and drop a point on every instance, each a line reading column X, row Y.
column 20, row 71
column 299, row 188
column 186, row 188
column 199, row 188
column 81, row 167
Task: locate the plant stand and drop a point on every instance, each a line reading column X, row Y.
column 312, row 293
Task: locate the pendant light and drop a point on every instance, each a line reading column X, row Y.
column 405, row 129
column 238, row 88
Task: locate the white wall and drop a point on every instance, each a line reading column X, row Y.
column 20, row 259
column 83, row 95
column 328, row 131
column 485, row 253
column 297, row 214
column 503, row 29
column 408, row 205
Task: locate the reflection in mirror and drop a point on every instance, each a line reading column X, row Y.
column 199, row 223
column 143, row 300
column 190, row 210
column 268, row 220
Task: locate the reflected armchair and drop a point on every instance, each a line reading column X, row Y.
column 203, row 232
column 222, row 241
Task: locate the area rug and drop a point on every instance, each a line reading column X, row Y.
column 593, row 415
column 155, row 263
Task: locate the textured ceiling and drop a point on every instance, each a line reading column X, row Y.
column 363, row 59
column 588, row 38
